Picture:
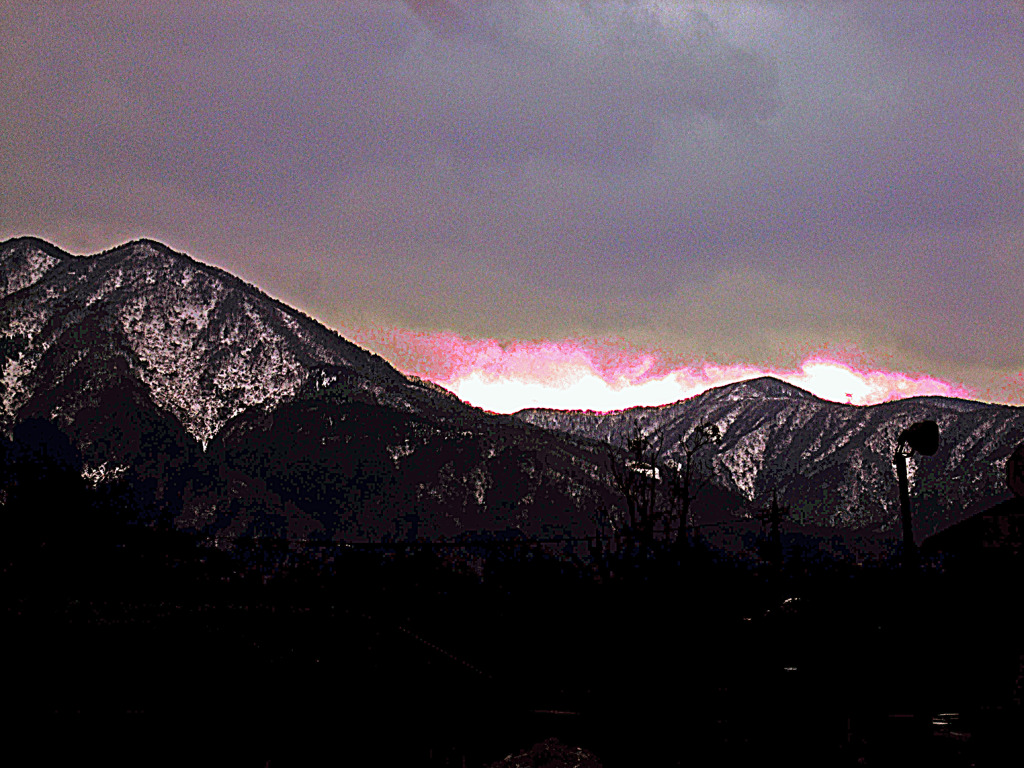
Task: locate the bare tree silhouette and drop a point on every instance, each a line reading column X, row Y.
column 687, row 476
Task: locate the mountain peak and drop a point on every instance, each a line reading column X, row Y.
column 144, row 243
column 144, row 247
column 24, row 261
column 30, row 243
column 763, row 387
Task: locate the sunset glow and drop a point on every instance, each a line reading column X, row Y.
column 605, row 376
column 572, row 386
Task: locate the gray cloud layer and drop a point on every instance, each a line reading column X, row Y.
column 731, row 180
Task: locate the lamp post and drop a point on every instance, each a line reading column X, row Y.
column 923, row 438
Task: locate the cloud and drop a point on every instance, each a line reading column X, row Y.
column 739, row 180
column 610, row 374
column 556, row 83
column 441, row 15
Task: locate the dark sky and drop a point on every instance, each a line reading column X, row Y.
column 736, row 183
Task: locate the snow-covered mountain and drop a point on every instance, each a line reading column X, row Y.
column 242, row 414
column 205, row 345
column 239, row 414
column 831, row 463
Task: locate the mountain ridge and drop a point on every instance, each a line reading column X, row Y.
column 761, row 386
column 211, row 363
column 831, row 463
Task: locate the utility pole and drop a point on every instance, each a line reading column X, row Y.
column 909, row 545
column 923, row 438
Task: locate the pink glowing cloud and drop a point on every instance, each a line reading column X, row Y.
column 609, row 375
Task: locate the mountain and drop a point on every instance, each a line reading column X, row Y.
column 832, row 464
column 203, row 344
column 239, row 415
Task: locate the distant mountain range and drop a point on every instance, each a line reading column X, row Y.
column 238, row 415
column 831, row 464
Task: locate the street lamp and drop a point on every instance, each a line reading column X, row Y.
column 923, row 438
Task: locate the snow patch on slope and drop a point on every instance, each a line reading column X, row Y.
column 205, row 365
column 24, row 268
column 744, row 459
